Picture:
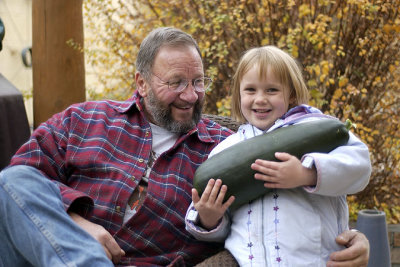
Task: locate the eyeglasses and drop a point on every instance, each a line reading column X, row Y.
column 178, row 85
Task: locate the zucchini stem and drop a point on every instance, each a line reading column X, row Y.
column 349, row 124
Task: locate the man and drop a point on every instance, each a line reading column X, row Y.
column 112, row 180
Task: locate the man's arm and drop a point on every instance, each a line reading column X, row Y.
column 357, row 251
column 111, row 247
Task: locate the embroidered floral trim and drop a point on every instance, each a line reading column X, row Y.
column 249, row 244
column 275, row 196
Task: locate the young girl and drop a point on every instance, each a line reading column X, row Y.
column 297, row 222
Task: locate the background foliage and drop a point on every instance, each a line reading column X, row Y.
column 350, row 51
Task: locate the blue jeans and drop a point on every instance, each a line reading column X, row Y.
column 35, row 229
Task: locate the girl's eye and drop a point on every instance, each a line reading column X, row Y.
column 249, row 89
column 272, row 90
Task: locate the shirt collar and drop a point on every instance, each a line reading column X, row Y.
column 131, row 102
column 202, row 131
column 301, row 110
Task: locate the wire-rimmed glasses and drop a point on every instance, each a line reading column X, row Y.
column 178, row 85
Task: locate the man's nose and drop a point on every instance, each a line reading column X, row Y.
column 189, row 94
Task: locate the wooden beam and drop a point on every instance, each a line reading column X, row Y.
column 58, row 69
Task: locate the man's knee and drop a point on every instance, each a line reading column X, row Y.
column 25, row 178
column 15, row 174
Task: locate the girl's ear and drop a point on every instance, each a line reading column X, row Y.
column 141, row 84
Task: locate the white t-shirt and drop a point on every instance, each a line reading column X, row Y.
column 162, row 141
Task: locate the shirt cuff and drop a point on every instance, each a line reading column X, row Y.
column 309, row 162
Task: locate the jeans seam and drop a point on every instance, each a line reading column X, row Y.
column 36, row 221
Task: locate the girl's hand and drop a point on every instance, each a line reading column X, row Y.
column 210, row 206
column 289, row 173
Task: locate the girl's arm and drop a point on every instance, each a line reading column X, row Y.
column 205, row 217
column 217, row 234
column 344, row 170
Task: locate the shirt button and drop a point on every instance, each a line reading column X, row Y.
column 133, row 178
column 118, row 208
column 141, row 160
column 147, row 134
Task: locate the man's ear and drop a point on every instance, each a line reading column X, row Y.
column 141, row 84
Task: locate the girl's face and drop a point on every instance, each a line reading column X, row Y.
column 262, row 101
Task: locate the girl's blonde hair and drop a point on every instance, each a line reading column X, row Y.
column 284, row 67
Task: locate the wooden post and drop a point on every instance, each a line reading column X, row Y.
column 58, row 69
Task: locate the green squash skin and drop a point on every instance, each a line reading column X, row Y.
column 232, row 165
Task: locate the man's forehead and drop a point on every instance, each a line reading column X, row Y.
column 182, row 57
column 178, row 48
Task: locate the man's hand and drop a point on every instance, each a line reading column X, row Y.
column 112, row 249
column 356, row 254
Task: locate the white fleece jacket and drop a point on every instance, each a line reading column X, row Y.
column 294, row 227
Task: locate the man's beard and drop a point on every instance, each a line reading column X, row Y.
column 162, row 115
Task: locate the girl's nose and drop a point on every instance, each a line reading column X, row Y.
column 260, row 98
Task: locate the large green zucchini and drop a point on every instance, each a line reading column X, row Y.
column 232, row 165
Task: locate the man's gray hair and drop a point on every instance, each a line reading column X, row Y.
column 157, row 38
